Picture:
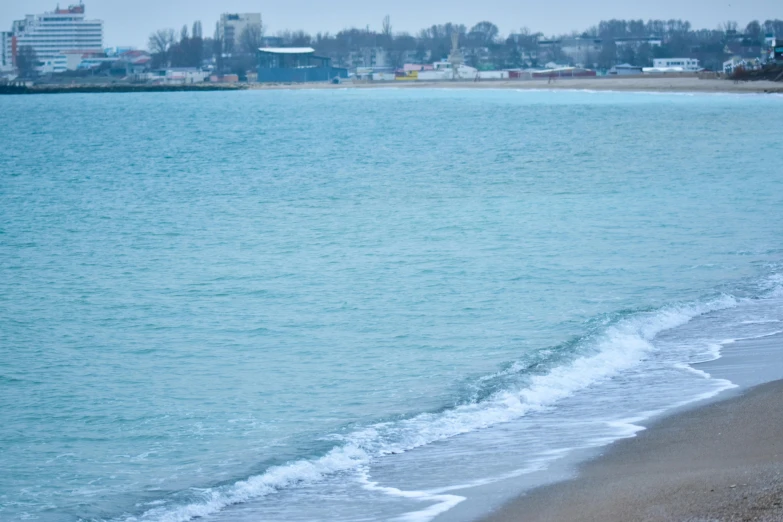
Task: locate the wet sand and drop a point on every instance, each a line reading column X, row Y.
column 721, row 462
column 636, row 84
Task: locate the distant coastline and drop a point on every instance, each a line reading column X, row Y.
column 635, row 84
column 12, row 89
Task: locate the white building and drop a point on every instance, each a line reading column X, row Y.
column 6, row 58
column 749, row 64
column 652, row 41
column 57, row 64
column 231, row 26
column 582, row 50
column 50, row 34
column 177, row 76
column 676, row 64
column 445, row 71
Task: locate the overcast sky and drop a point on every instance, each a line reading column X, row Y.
column 129, row 22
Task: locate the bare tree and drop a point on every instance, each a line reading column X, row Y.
column 484, row 33
column 754, row 31
column 387, row 26
column 26, row 61
column 218, row 48
column 160, row 44
column 251, row 38
column 197, row 32
column 730, row 26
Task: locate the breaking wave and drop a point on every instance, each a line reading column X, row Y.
column 622, row 344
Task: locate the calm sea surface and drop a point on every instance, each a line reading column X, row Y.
column 362, row 304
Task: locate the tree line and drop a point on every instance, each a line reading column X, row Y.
column 482, row 43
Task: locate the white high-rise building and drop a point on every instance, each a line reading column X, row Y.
column 231, row 26
column 51, row 34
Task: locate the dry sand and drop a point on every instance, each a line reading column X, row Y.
column 637, row 84
column 723, row 462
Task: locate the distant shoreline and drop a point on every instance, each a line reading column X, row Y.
column 643, row 84
column 112, row 88
column 623, row 84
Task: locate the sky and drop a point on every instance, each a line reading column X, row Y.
column 130, row 22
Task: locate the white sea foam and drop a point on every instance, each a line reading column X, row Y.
column 439, row 502
column 620, row 347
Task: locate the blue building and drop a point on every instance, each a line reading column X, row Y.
column 295, row 65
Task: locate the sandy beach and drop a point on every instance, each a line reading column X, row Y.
column 720, row 462
column 639, row 84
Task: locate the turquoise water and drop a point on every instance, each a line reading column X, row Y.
column 350, row 305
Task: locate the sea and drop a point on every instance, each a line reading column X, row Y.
column 363, row 304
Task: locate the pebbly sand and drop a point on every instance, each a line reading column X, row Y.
column 721, row 462
column 639, row 84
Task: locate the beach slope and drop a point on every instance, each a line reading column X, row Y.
column 722, row 462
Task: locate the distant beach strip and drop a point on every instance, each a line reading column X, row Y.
column 646, row 84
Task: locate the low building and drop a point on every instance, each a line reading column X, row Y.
column 676, row 65
column 444, row 70
column 563, row 72
column 118, row 50
column 76, row 57
column 135, row 62
column 625, row 69
column 295, row 65
column 94, row 62
column 369, row 73
column 177, row 76
column 493, row 75
column 383, row 76
column 582, row 50
column 738, row 62
column 652, row 41
column 368, row 57
column 54, row 65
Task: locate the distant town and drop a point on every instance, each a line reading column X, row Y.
column 65, row 46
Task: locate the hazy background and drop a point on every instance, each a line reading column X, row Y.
column 131, row 22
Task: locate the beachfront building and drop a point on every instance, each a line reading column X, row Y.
column 295, row 65
column 625, row 69
column 777, row 50
column 676, row 65
column 368, row 57
column 231, row 25
column 738, row 62
column 582, row 50
column 635, row 43
column 53, row 33
column 574, row 50
column 57, row 64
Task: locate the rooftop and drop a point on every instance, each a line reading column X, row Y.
column 287, row 50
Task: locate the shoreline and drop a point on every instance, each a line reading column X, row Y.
column 719, row 460
column 689, row 85
column 647, row 84
column 21, row 90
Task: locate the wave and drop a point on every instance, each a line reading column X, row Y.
column 618, row 346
